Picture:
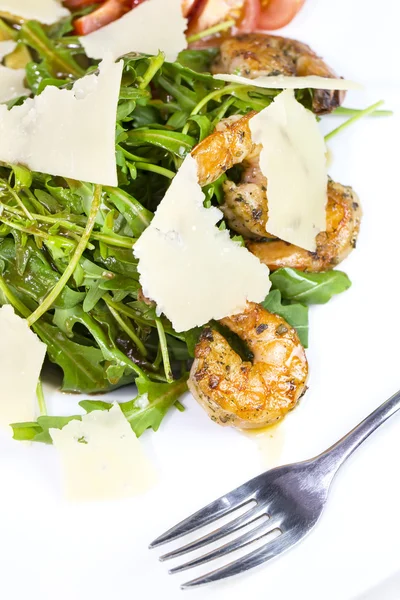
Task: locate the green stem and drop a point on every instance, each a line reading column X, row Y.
column 155, row 169
column 357, row 117
column 186, row 128
column 217, row 94
column 20, row 203
column 134, row 157
column 155, row 65
column 349, row 112
column 211, row 31
column 138, row 209
column 41, row 399
column 158, row 359
column 38, row 232
column 126, row 310
column 112, row 240
column 164, row 350
column 79, row 250
column 125, row 327
column 13, row 300
column 34, row 35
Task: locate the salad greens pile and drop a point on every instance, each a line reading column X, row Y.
column 66, row 259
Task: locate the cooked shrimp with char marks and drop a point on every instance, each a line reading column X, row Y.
column 343, row 217
column 257, row 54
column 245, row 205
column 226, row 147
column 250, row 394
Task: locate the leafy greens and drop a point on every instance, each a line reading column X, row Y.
column 79, row 285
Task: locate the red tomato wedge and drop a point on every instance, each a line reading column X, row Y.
column 75, row 4
column 279, row 13
column 251, row 16
column 188, row 6
column 269, row 14
column 108, row 12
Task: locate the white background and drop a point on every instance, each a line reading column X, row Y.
column 50, row 550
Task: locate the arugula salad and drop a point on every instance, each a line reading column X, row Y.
column 67, row 263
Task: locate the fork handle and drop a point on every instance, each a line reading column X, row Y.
column 336, row 455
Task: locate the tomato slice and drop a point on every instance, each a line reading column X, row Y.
column 74, row 4
column 278, row 13
column 189, row 6
column 251, row 16
column 108, row 12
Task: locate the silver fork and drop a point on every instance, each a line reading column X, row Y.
column 287, row 500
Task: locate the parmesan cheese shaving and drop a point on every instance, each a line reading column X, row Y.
column 67, row 132
column 192, row 270
column 44, row 11
column 101, row 457
column 294, row 162
column 21, row 359
column 152, row 26
column 6, row 47
column 11, row 86
column 281, row 82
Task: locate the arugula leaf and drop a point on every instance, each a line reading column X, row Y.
column 146, row 411
column 56, row 60
column 35, row 277
column 198, row 60
column 295, row 314
column 149, row 408
column 83, row 366
column 177, row 143
column 191, row 338
column 138, row 217
column 309, row 288
column 39, row 77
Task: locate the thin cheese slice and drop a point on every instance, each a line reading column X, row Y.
column 11, row 85
column 67, row 132
column 101, row 457
column 21, row 359
column 44, row 11
column 192, row 270
column 282, row 82
column 152, row 26
column 294, row 162
column 6, row 47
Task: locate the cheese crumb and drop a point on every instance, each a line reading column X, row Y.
column 192, row 270
column 152, row 26
column 70, row 133
column 101, row 457
column 11, row 86
column 44, row 11
column 293, row 159
column 21, row 359
column 286, row 82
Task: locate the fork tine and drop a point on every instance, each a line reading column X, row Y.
column 213, row 511
column 251, row 536
column 251, row 560
column 249, row 517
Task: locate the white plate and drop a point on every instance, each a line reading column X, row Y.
column 51, row 550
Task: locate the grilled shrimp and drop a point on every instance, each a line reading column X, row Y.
column 250, row 394
column 227, row 146
column 343, row 217
column 254, row 54
column 245, row 204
